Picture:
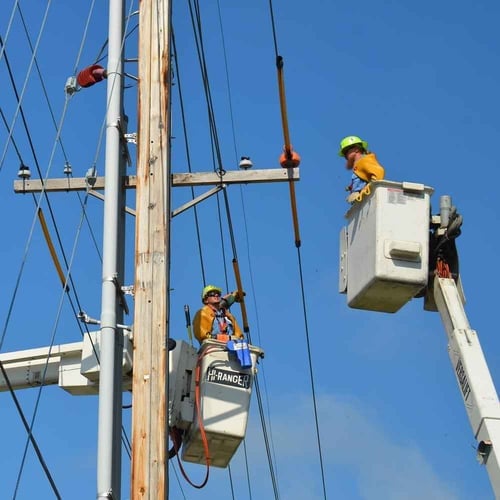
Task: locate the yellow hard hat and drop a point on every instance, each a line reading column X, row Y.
column 351, row 140
column 209, row 288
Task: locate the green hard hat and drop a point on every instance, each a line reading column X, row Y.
column 209, row 288
column 351, row 140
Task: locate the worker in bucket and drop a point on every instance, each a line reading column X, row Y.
column 213, row 320
column 364, row 165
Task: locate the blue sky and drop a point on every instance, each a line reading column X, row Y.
column 418, row 81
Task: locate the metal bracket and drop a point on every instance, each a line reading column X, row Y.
column 85, row 318
column 71, row 86
column 128, row 290
column 483, row 451
column 124, row 142
column 131, row 137
column 121, row 296
column 107, row 494
column 119, row 292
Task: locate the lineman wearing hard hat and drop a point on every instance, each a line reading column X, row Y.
column 364, row 165
column 213, row 318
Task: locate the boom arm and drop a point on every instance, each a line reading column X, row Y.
column 74, row 367
column 473, row 377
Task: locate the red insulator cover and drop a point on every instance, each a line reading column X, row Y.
column 290, row 161
column 90, row 75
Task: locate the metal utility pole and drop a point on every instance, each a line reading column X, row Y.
column 152, row 265
column 111, row 339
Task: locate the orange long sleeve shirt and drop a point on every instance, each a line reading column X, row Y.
column 204, row 324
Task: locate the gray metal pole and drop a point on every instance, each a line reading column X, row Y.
column 110, row 383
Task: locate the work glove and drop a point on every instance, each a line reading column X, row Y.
column 238, row 296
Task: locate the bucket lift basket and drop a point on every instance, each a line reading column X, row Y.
column 384, row 249
column 224, row 400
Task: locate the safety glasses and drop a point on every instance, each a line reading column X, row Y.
column 348, row 151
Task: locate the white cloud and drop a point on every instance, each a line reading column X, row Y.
column 360, row 459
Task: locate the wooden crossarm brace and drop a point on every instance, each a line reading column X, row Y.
column 178, row 180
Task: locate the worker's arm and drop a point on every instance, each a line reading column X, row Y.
column 232, row 297
column 369, row 169
column 203, row 324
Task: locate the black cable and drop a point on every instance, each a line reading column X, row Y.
column 35, row 158
column 11, row 136
column 229, row 95
column 197, row 28
column 14, row 87
column 51, row 112
column 30, row 437
column 78, row 308
column 201, row 56
column 188, row 155
column 230, row 474
column 40, row 78
column 52, row 116
column 266, row 439
column 30, row 433
column 216, row 153
column 199, row 44
column 247, row 469
column 273, row 28
column 304, row 310
column 279, row 61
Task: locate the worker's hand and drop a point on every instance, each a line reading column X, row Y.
column 238, row 296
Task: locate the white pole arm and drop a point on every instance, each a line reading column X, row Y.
column 35, row 367
column 74, row 367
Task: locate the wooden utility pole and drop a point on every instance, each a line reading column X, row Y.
column 152, row 261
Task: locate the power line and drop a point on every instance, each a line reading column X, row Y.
column 30, row 435
column 288, row 154
column 69, row 278
column 197, row 29
column 188, row 155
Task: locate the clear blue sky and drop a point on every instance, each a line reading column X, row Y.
column 419, row 82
